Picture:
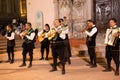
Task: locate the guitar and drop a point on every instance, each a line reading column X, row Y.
column 41, row 37
column 52, row 34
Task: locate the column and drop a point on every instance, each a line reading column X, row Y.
column 89, row 9
column 56, row 8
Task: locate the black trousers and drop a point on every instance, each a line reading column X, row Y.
column 25, row 51
column 10, row 50
column 43, row 47
column 112, row 53
column 92, row 54
column 58, row 52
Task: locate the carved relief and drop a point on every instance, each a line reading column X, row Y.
column 74, row 11
column 103, row 10
column 78, row 19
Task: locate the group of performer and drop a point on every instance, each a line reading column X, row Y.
column 112, row 44
column 58, row 38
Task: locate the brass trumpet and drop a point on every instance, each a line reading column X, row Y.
column 22, row 34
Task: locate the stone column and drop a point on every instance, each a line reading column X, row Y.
column 89, row 9
column 56, row 8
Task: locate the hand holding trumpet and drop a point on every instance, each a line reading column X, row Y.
column 24, row 33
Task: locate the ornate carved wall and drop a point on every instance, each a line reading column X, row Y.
column 77, row 12
column 104, row 10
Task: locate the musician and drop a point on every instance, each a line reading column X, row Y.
column 58, row 47
column 10, row 35
column 66, row 41
column 45, row 43
column 28, row 44
column 112, row 52
column 91, row 32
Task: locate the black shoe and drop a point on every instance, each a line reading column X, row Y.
column 8, row 61
column 69, row 61
column 22, row 65
column 107, row 70
column 89, row 64
column 11, row 62
column 63, row 72
column 58, row 63
column 52, row 70
column 93, row 66
column 116, row 73
column 30, row 65
column 41, row 58
column 46, row 58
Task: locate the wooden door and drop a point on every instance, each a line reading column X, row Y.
column 104, row 10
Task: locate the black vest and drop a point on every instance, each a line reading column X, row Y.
column 57, row 38
column 10, row 42
column 91, row 41
column 29, row 43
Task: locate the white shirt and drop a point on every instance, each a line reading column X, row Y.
column 62, row 34
column 11, row 37
column 39, row 33
column 65, row 30
column 119, row 30
column 31, row 37
column 92, row 32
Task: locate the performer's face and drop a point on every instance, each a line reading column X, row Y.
column 112, row 23
column 56, row 23
column 8, row 28
column 90, row 24
column 46, row 28
column 27, row 26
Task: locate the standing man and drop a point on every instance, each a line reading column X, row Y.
column 44, row 41
column 10, row 35
column 58, row 46
column 112, row 51
column 91, row 32
column 28, row 44
column 68, row 53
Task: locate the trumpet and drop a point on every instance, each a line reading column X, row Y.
column 24, row 33
column 86, row 28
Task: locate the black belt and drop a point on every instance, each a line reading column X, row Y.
column 57, row 41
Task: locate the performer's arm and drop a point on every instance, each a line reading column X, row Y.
column 39, row 33
column 11, row 37
column 94, row 30
column 63, row 35
column 31, row 37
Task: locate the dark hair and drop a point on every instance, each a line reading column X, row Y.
column 29, row 24
column 58, row 20
column 9, row 25
column 91, row 21
column 47, row 26
column 113, row 19
column 61, row 20
column 64, row 17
